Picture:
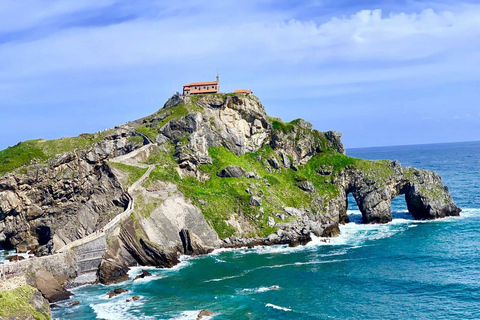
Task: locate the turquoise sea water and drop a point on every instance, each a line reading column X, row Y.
column 402, row 270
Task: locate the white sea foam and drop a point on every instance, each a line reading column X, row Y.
column 226, row 278
column 270, row 305
column 258, row 290
column 190, row 315
column 116, row 309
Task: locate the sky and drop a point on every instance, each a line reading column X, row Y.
column 382, row 72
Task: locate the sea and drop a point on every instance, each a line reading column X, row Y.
column 405, row 269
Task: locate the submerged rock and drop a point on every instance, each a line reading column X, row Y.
column 116, row 292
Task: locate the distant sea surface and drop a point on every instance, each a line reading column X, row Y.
column 405, row 269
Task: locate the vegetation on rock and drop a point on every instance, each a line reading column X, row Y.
column 17, row 303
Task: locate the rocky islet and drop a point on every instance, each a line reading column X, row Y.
column 224, row 142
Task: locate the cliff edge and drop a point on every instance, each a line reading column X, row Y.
column 203, row 172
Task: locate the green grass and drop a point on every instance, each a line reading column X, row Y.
column 143, row 207
column 227, row 196
column 133, row 173
column 41, row 150
column 15, row 303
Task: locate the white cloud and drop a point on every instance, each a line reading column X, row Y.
column 18, row 15
column 253, row 40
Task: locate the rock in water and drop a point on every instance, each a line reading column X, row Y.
column 110, row 272
column 144, row 274
column 115, row 292
column 204, row 313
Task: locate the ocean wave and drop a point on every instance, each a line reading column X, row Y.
column 258, row 290
column 116, row 309
column 271, row 305
column 226, row 278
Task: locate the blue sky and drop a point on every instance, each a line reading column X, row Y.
column 380, row 72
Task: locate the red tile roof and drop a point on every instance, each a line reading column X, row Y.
column 242, row 91
column 201, row 83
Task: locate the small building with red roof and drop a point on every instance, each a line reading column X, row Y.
column 243, row 91
column 202, row 87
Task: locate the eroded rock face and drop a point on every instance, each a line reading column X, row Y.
column 240, row 125
column 425, row 195
column 68, row 198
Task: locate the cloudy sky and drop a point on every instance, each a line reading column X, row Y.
column 382, row 72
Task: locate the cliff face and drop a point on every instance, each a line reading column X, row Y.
column 217, row 172
column 64, row 198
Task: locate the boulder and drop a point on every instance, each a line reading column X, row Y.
column 204, row 313
column 286, row 161
column 306, row 186
column 143, row 275
column 270, row 222
column 274, row 163
column 232, row 172
column 255, row 201
column 116, row 292
column 110, row 272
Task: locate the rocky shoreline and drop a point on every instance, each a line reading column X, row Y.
column 204, row 172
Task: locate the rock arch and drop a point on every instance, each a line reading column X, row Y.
column 425, row 195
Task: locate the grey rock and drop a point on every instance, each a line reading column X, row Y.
column 306, row 186
column 232, row 172
column 286, row 161
column 271, row 222
column 274, row 163
column 255, row 201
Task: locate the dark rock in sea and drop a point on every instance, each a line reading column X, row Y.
column 232, row 172
column 143, row 275
column 74, row 303
column 116, row 292
column 54, row 306
column 204, row 313
column 135, row 298
column 110, row 272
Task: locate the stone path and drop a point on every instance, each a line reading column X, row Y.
column 125, row 214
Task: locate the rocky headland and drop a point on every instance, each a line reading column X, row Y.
column 203, row 172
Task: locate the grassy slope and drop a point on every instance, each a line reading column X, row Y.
column 16, row 303
column 41, row 150
column 133, row 173
column 226, row 196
